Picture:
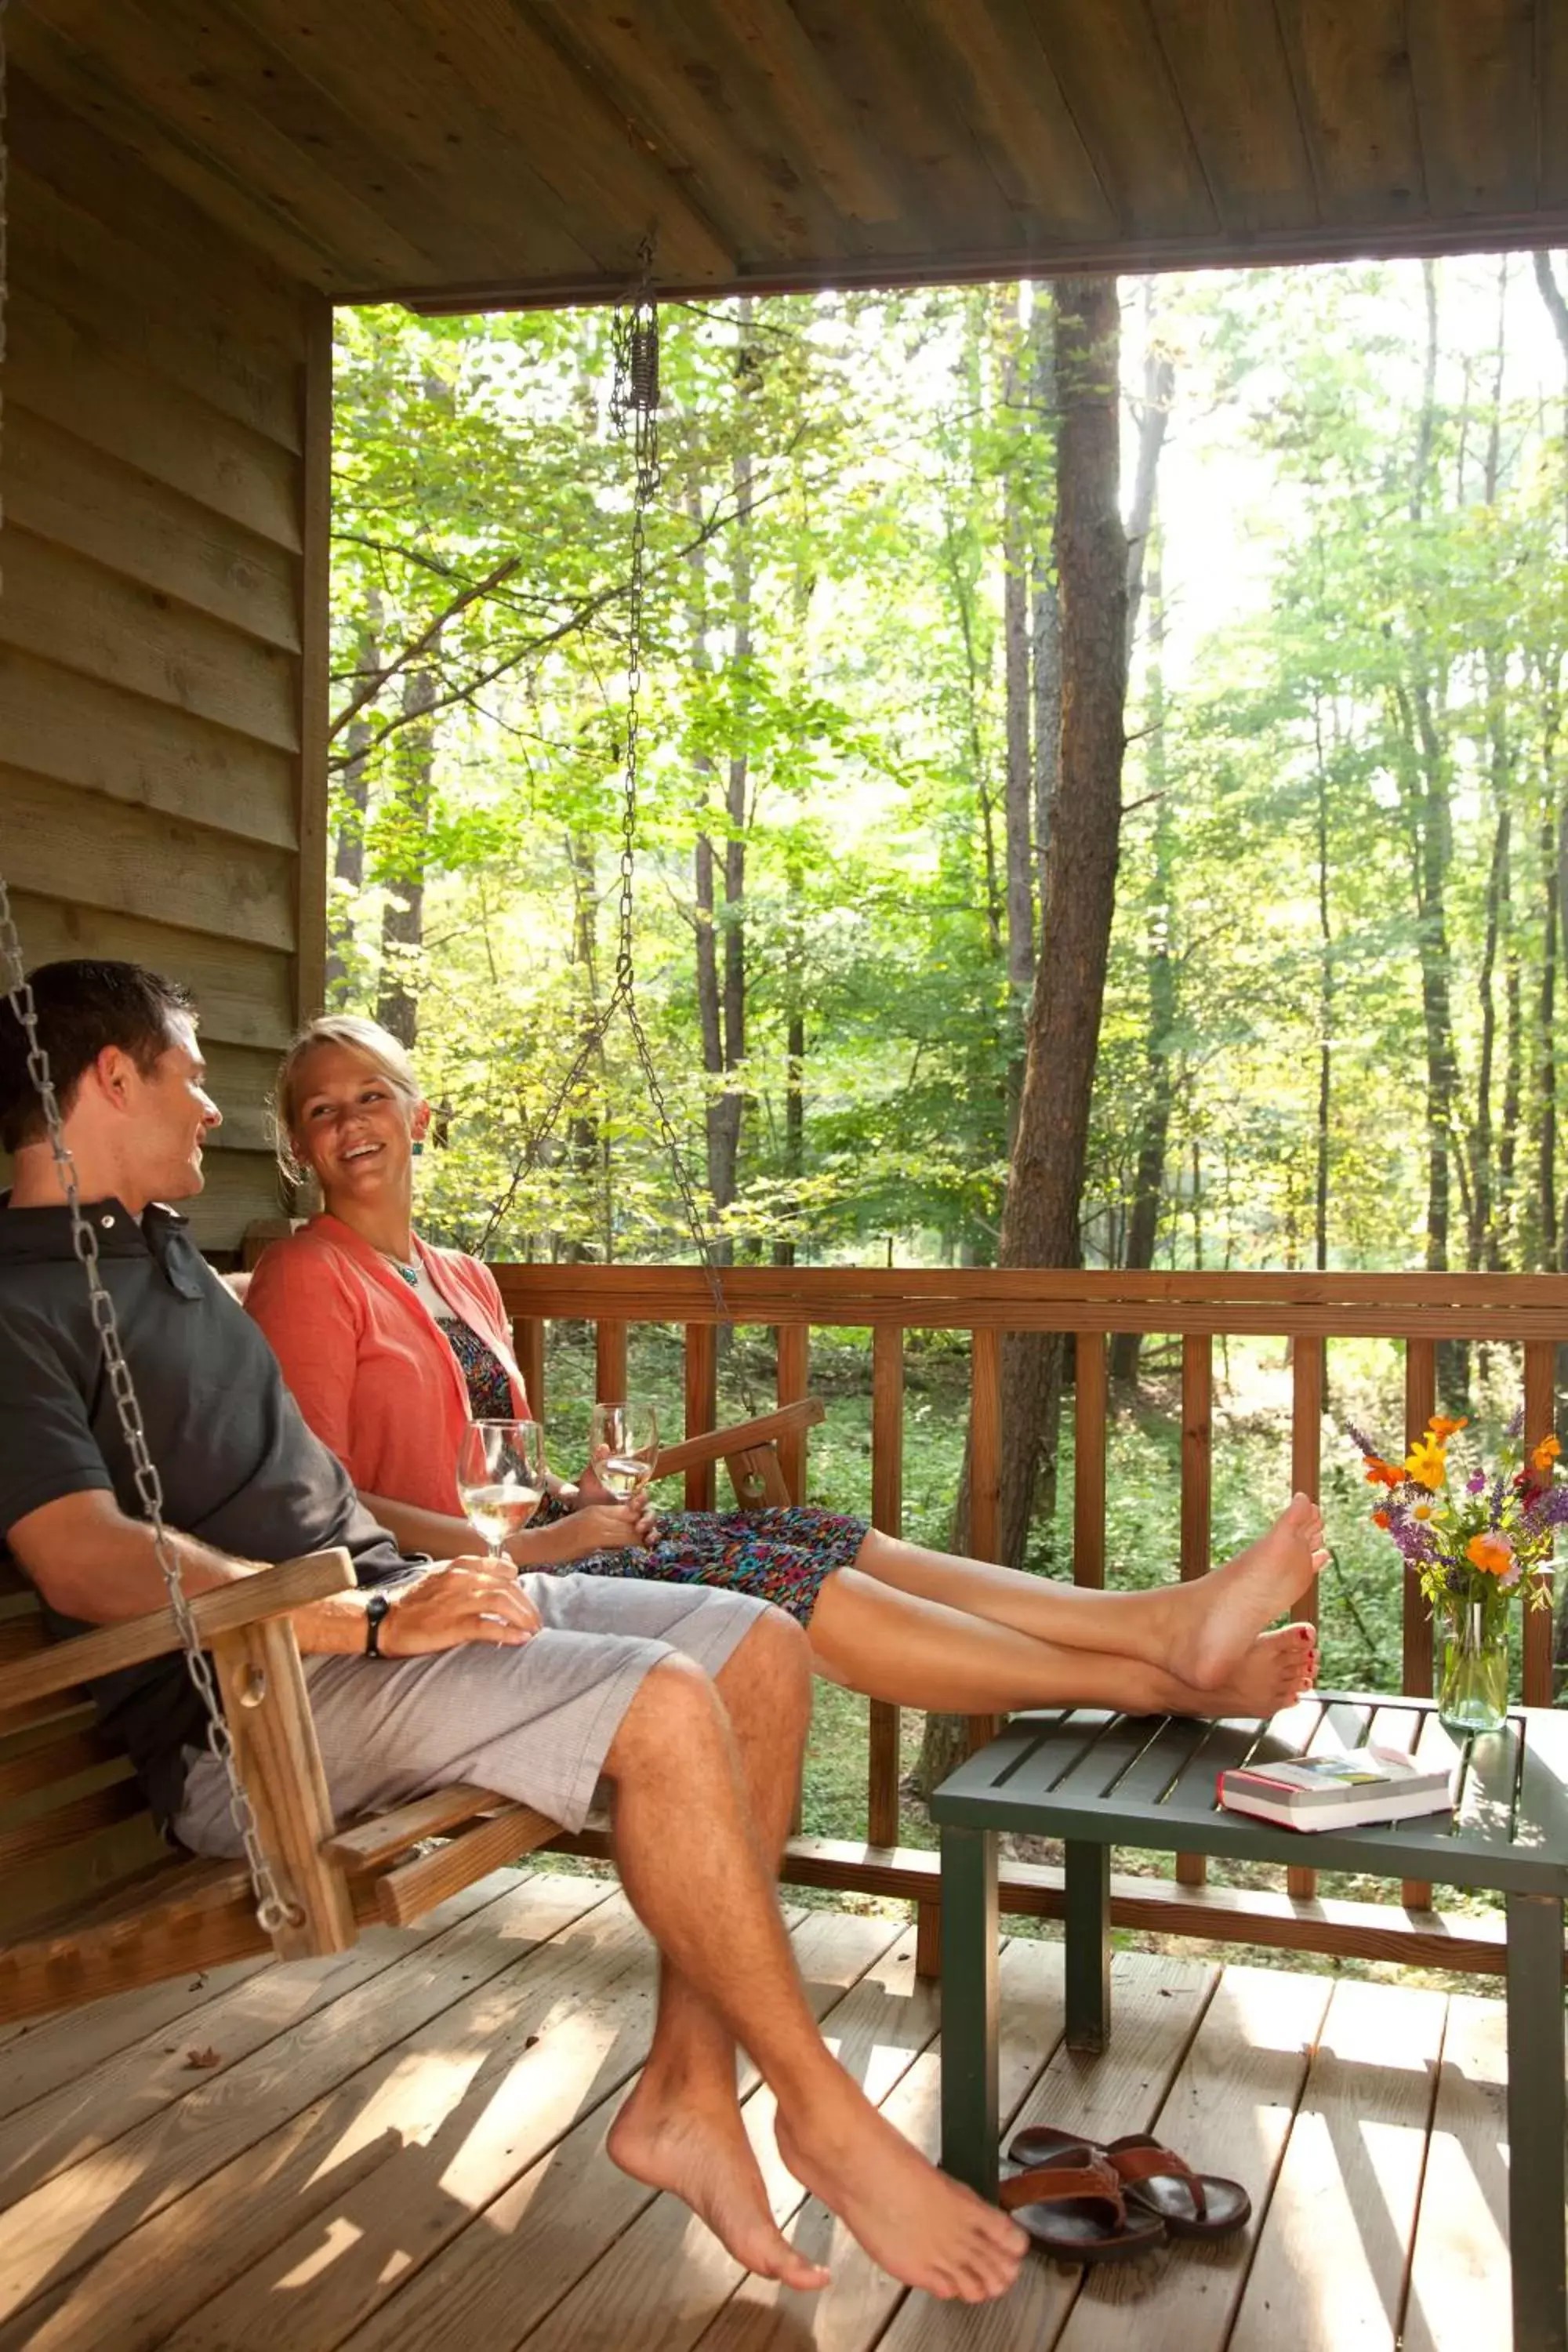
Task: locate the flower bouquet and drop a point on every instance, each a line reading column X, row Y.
column 1474, row 1542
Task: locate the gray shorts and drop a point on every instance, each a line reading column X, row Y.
column 534, row 1724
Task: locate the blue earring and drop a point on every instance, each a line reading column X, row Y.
column 418, row 1147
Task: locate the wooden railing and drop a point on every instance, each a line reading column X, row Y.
column 1419, row 1310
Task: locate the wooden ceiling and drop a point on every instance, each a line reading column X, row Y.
column 455, row 153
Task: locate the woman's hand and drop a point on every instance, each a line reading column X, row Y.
column 463, row 1601
column 593, row 1526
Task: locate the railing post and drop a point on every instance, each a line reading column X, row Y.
column 1197, row 1499
column 984, row 1473
column 887, row 1513
column 528, row 1346
column 793, row 1380
column 1540, row 1414
column 1090, row 1397
column 610, row 1362
column 701, row 1406
column 1420, row 1404
column 1305, row 1478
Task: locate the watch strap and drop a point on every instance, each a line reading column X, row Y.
column 375, row 1610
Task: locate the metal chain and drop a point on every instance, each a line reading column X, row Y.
column 633, row 407
column 272, row 1911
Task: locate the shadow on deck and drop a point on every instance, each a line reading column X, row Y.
column 404, row 2148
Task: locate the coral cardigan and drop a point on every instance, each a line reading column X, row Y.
column 373, row 1375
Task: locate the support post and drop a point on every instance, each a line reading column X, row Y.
column 1536, row 2248
column 1086, row 1930
column 971, row 2118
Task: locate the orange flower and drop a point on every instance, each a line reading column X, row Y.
column 1380, row 1519
column 1442, row 1429
column 1545, row 1455
column 1382, row 1474
column 1493, row 1555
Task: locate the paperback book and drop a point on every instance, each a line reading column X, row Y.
column 1340, row 1792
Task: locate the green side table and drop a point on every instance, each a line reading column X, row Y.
column 1096, row 1781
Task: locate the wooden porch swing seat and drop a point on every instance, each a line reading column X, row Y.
column 94, row 1901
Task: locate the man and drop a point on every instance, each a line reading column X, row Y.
column 692, row 1703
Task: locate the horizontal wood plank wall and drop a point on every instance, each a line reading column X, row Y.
column 162, row 614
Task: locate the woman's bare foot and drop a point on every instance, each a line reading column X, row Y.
column 1275, row 1672
column 1215, row 1619
column 920, row 2226
column 700, row 2153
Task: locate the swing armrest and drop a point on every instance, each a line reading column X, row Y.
column 248, row 1600
column 718, row 1444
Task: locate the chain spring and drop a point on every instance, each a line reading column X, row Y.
column 273, row 1912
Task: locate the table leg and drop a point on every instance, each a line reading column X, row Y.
column 1085, row 1893
column 1535, row 2123
column 970, row 2119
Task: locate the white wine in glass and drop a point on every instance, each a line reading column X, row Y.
column 622, row 1444
column 501, row 1478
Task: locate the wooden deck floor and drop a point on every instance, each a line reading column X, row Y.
column 403, row 2151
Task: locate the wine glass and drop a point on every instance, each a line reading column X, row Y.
column 622, row 1445
column 501, row 1478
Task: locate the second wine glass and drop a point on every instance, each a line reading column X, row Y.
column 622, row 1445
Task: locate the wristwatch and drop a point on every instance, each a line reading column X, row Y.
column 375, row 1609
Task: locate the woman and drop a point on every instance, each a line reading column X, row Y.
column 390, row 1346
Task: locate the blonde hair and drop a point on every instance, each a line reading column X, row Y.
column 378, row 1046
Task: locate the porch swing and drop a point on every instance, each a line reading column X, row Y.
column 93, row 1900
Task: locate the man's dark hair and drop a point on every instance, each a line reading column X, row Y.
column 83, row 1006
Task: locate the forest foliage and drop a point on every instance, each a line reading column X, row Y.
column 1330, row 1021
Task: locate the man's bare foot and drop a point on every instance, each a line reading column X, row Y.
column 1275, row 1672
column 1216, row 1619
column 920, row 2226
column 700, row 2153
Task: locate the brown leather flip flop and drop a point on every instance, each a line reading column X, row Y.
column 1155, row 2180
column 1075, row 2211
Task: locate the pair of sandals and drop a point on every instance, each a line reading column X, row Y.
column 1088, row 2203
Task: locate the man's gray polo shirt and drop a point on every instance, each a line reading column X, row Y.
column 239, row 1468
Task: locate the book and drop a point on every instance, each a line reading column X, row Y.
column 1340, row 1792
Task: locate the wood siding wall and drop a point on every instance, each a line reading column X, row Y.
column 163, row 612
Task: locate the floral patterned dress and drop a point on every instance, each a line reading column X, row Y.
column 784, row 1556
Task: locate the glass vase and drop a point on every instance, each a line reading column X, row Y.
column 1472, row 1688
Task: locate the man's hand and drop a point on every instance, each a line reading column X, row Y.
column 465, row 1601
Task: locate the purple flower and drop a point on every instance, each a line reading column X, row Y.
column 1516, row 1426
column 1494, row 1508
column 1358, row 1438
column 1476, row 1484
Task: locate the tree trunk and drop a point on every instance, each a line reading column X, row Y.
column 1154, row 417
column 588, row 1147
column 1149, row 1184
column 412, row 761
column 1040, row 1220
column 1018, row 792
column 354, row 804
column 1045, row 616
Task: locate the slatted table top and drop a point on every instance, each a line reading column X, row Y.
column 1079, row 1773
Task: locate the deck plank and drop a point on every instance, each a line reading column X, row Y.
column 1459, row 2276
column 1229, row 2111
column 530, row 2249
column 44, row 2052
column 1330, row 2267
column 80, row 2216
column 416, row 2161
